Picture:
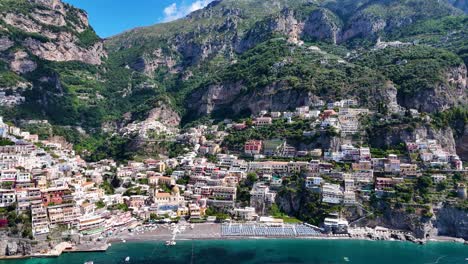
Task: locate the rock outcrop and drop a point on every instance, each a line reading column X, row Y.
column 65, row 49
column 452, row 91
column 54, row 31
column 5, row 43
column 149, row 63
column 322, row 24
column 394, row 135
column 462, row 144
column 451, row 221
column 15, row 247
column 20, row 63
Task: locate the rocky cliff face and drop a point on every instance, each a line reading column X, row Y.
column 451, row 221
column 447, row 221
column 54, row 31
column 394, row 135
column 462, row 144
column 15, row 247
column 322, row 24
column 232, row 97
column 452, row 91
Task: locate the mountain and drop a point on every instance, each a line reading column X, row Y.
column 233, row 58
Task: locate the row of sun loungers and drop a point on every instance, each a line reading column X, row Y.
column 267, row 231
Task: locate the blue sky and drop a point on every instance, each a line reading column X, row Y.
column 110, row 17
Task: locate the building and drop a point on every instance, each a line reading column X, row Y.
column 336, row 225
column 261, row 198
column 313, row 182
column 91, row 225
column 332, row 193
column 173, row 198
column 39, row 219
column 63, row 213
column 253, row 147
column 7, row 197
column 438, row 178
column 383, row 183
column 246, row 214
column 263, row 121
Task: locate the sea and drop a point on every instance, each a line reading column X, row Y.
column 276, row 251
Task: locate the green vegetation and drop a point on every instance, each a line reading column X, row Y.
column 107, row 187
column 9, row 79
column 6, row 142
column 311, row 209
column 220, row 215
column 244, row 188
column 279, row 129
column 88, row 38
column 134, row 191
column 100, row 204
column 276, row 213
column 413, row 69
column 120, row 207
column 456, row 118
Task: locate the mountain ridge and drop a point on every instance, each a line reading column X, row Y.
column 202, row 65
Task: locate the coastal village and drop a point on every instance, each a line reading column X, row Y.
column 49, row 194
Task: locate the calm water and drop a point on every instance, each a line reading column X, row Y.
column 269, row 251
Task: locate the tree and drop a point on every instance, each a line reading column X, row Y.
column 423, row 184
column 100, row 204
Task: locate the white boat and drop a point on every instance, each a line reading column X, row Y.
column 346, row 259
column 123, row 241
column 127, row 259
column 170, row 243
column 89, row 262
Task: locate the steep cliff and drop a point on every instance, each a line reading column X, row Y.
column 392, row 135
column 451, row 221
column 15, row 247
column 232, row 58
column 51, row 30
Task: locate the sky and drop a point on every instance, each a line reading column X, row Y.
column 110, row 17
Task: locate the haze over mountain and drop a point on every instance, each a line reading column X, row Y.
column 234, row 58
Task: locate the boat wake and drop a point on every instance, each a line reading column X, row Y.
column 437, row 260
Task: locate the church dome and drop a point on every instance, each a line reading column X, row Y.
column 175, row 189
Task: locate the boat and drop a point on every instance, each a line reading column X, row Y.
column 123, row 241
column 170, row 243
column 89, row 262
column 127, row 259
column 346, row 259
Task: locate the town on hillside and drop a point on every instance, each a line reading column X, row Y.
column 261, row 176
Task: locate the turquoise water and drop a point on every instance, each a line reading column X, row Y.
column 268, row 251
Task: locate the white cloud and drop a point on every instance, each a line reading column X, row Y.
column 173, row 11
column 170, row 10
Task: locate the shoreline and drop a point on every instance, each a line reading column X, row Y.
column 155, row 239
column 212, row 232
column 227, row 238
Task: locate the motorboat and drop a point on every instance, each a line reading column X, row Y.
column 170, row 243
column 127, row 259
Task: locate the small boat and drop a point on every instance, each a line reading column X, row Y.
column 124, row 241
column 170, row 243
column 346, row 259
column 89, row 262
column 127, row 259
